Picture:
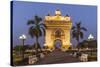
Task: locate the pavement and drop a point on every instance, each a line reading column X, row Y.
column 58, row 57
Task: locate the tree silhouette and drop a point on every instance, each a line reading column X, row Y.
column 36, row 29
column 77, row 31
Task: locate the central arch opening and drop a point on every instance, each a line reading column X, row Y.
column 57, row 38
column 57, row 43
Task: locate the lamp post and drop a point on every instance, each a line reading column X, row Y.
column 90, row 37
column 23, row 38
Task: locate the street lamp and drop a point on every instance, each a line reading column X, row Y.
column 23, row 38
column 90, row 37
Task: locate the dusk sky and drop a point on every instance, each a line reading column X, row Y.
column 23, row 11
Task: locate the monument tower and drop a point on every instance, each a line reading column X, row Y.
column 58, row 28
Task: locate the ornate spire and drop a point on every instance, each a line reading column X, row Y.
column 67, row 15
column 48, row 14
column 58, row 12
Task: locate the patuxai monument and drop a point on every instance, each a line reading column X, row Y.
column 58, row 29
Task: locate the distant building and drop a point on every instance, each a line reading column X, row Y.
column 90, row 42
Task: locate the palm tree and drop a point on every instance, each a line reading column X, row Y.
column 36, row 29
column 77, row 32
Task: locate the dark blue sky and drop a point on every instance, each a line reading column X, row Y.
column 23, row 11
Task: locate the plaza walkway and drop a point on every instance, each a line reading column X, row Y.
column 58, row 57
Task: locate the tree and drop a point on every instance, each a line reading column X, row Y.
column 17, row 48
column 36, row 29
column 77, row 31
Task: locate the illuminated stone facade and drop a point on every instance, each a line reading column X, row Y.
column 58, row 28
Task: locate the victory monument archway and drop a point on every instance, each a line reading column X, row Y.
column 58, row 28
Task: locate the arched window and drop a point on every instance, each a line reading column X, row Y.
column 58, row 33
